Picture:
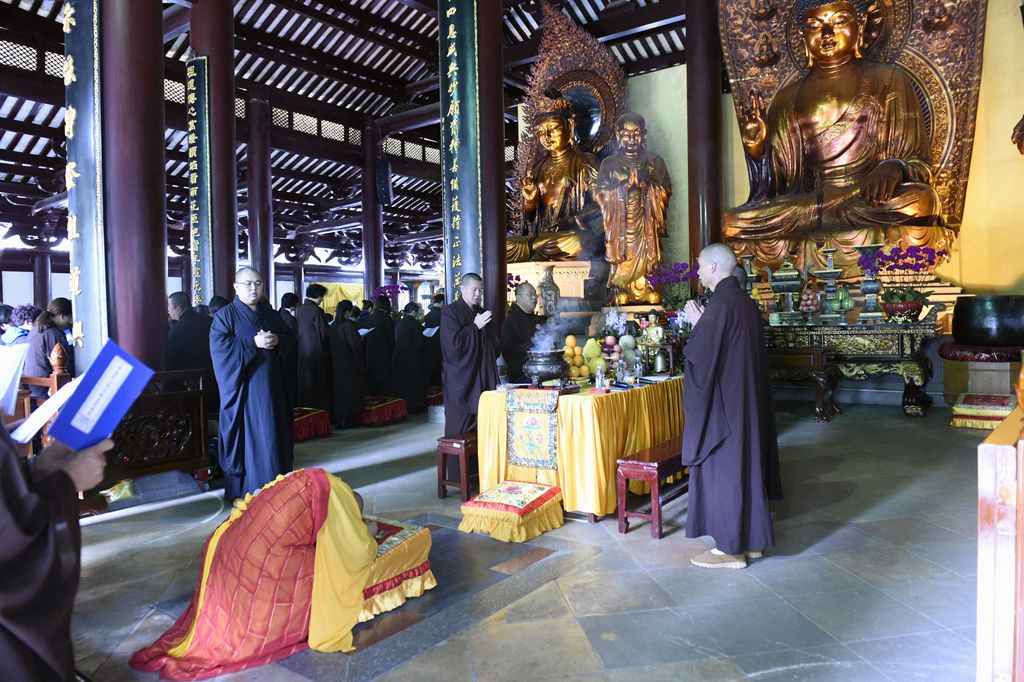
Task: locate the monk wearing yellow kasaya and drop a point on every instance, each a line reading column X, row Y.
column 842, row 154
column 558, row 197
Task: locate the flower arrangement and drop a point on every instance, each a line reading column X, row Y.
column 389, row 290
column 673, row 281
column 909, row 266
column 903, row 295
column 615, row 323
column 512, row 281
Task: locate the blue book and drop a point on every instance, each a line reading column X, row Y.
column 103, row 396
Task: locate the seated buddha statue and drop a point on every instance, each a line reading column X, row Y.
column 841, row 155
column 558, row 201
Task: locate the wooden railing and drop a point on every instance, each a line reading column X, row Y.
column 164, row 430
column 1000, row 637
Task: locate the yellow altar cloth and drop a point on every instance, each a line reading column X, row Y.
column 594, row 431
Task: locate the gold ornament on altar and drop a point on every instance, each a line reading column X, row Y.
column 633, row 190
column 856, row 138
column 576, row 91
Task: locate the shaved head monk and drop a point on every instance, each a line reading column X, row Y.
column 250, row 344
column 729, row 440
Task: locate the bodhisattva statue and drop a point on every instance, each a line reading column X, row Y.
column 841, row 155
column 558, row 201
column 633, row 189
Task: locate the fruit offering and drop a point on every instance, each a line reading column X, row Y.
column 809, row 302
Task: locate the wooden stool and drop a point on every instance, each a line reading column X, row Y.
column 651, row 465
column 461, row 446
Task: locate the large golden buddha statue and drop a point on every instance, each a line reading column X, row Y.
column 558, row 201
column 841, row 155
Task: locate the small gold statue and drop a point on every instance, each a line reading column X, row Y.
column 558, row 198
column 841, row 154
column 633, row 189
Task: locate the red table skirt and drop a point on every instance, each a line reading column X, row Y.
column 434, row 396
column 308, row 422
column 379, row 410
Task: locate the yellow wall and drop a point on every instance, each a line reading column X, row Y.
column 660, row 97
column 989, row 255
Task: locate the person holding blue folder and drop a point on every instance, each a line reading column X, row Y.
column 247, row 342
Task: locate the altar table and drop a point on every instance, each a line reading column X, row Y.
column 593, row 431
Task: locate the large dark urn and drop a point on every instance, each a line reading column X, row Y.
column 544, row 364
column 989, row 321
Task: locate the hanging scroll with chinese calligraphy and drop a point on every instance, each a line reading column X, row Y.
column 84, row 178
column 197, row 103
column 460, row 141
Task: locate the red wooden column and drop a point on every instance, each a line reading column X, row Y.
column 490, row 84
column 212, row 36
column 704, row 124
column 41, row 268
column 132, row 108
column 373, row 219
column 261, row 210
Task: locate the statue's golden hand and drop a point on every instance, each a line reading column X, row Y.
column 1018, row 135
column 753, row 128
column 880, row 184
column 529, row 187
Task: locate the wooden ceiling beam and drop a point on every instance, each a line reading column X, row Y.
column 293, row 54
column 618, row 27
column 367, row 18
column 428, row 7
column 417, row 52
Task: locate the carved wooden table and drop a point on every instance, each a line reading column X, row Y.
column 870, row 350
column 653, row 465
column 818, row 364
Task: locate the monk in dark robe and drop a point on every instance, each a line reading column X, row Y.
column 246, row 341
column 188, row 342
column 40, row 556
column 349, row 385
column 289, row 302
column 314, row 358
column 379, row 342
column 468, row 348
column 408, row 369
column 517, row 332
column 729, row 439
column 432, row 320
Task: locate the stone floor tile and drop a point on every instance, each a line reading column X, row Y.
column 963, row 522
column 967, row 633
column 546, row 603
column 829, row 663
column 612, row 560
column 692, row 586
column 933, row 657
column 823, row 537
column 861, row 614
column 705, row 670
column 669, row 552
column 959, row 556
column 593, row 594
column 450, row 660
column 888, row 565
column 802, row 575
column 742, row 628
column 951, row 602
column 514, row 651
column 651, row 637
column 908, row 531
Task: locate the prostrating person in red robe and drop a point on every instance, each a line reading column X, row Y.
column 468, row 351
column 729, row 440
column 40, row 556
column 314, row 352
column 247, row 342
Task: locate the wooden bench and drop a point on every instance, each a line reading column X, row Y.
column 462, row 446
column 652, row 465
column 808, row 362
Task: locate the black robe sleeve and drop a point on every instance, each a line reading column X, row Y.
column 40, row 548
column 469, row 357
